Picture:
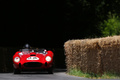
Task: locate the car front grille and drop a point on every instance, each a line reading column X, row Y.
column 32, row 64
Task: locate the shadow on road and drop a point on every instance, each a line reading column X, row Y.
column 60, row 70
column 43, row 72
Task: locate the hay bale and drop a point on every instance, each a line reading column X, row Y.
column 80, row 55
column 94, row 55
column 110, row 54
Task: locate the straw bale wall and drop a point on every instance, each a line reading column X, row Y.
column 93, row 55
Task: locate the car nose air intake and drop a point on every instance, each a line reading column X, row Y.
column 33, row 54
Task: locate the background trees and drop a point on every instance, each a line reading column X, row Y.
column 88, row 16
column 111, row 26
column 61, row 20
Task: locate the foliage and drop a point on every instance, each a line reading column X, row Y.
column 79, row 73
column 111, row 26
column 84, row 16
column 106, row 75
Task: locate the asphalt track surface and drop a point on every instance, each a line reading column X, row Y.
column 58, row 75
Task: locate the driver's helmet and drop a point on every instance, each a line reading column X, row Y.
column 27, row 46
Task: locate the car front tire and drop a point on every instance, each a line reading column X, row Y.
column 50, row 70
column 17, row 71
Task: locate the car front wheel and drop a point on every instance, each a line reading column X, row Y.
column 17, row 71
column 50, row 70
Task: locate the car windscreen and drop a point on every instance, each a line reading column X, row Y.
column 33, row 50
column 39, row 50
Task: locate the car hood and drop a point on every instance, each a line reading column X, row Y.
column 25, row 56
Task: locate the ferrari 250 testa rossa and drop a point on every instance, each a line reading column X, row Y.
column 33, row 59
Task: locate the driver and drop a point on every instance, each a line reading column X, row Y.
column 27, row 46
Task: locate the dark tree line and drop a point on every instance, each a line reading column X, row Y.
column 85, row 16
column 56, row 20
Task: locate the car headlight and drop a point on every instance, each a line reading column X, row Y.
column 16, row 59
column 48, row 58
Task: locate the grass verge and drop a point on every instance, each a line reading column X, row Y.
column 106, row 75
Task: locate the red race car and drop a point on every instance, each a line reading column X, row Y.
column 33, row 59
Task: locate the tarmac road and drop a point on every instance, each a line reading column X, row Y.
column 58, row 75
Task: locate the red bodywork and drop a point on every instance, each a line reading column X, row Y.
column 39, row 63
